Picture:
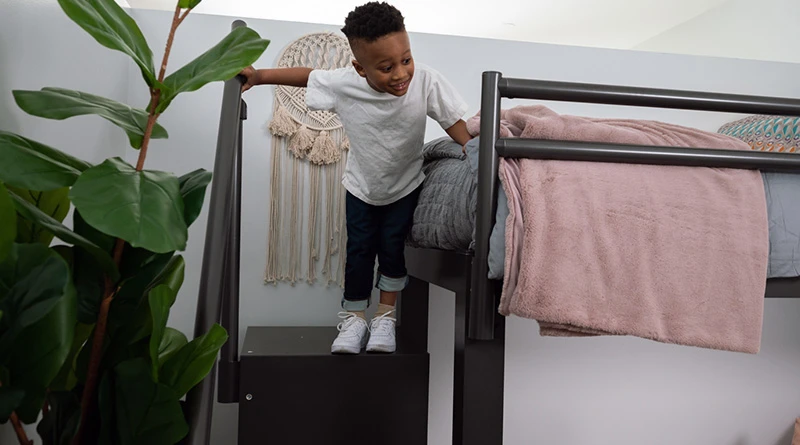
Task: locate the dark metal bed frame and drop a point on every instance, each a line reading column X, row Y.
column 480, row 330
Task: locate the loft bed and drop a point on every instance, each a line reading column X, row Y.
column 480, row 330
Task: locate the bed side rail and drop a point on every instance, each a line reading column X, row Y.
column 482, row 302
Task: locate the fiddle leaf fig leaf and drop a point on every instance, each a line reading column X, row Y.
column 54, row 203
column 60, row 104
column 193, row 190
column 147, row 412
column 189, row 4
column 161, row 299
column 238, row 50
column 113, row 28
column 31, row 213
column 193, row 362
column 144, row 208
column 30, row 165
column 10, row 398
column 171, row 343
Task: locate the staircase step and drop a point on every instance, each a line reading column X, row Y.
column 294, row 391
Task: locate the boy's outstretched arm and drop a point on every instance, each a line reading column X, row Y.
column 458, row 132
column 296, row 77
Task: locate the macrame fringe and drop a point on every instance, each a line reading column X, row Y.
column 302, row 141
column 324, row 151
column 282, row 125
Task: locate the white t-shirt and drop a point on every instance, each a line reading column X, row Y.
column 386, row 132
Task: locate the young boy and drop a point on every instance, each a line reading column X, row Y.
column 383, row 101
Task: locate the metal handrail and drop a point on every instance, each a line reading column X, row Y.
column 219, row 280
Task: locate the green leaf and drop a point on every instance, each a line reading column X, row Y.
column 30, row 213
column 34, row 166
column 171, row 343
column 172, row 275
column 143, row 208
column 30, row 288
column 194, row 361
column 10, row 398
column 40, row 352
column 54, row 203
column 188, row 4
column 193, row 190
column 129, row 318
column 146, row 412
column 60, row 104
column 8, row 223
column 87, row 274
column 161, row 299
column 113, row 28
column 238, row 50
column 60, row 423
column 66, row 379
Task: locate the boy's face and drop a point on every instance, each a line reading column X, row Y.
column 386, row 63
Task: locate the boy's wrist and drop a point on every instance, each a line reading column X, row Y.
column 262, row 76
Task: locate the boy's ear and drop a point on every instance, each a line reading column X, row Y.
column 359, row 69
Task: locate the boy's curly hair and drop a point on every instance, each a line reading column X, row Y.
column 373, row 20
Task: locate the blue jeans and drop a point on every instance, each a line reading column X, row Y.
column 376, row 230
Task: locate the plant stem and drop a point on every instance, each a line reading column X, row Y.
column 155, row 94
column 88, row 398
column 23, row 438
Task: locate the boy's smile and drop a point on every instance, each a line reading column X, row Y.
column 386, row 63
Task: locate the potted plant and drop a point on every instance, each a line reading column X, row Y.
column 84, row 341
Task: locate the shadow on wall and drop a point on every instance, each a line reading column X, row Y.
column 786, row 439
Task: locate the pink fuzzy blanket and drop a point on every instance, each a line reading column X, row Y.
column 668, row 253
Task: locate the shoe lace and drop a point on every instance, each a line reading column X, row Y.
column 382, row 324
column 348, row 318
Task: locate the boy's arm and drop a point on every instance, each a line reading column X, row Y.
column 296, row 77
column 458, row 132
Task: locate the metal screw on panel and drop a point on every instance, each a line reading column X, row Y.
column 249, row 397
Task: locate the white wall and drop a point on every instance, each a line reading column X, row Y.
column 40, row 47
column 747, row 29
column 587, row 391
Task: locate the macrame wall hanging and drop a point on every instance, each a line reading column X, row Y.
column 309, row 151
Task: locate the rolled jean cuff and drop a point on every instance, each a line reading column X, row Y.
column 355, row 305
column 388, row 284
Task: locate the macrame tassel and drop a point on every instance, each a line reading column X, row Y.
column 324, row 151
column 282, row 124
column 301, row 142
column 345, row 143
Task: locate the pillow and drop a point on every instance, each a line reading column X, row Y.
column 766, row 133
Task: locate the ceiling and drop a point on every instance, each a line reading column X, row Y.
column 621, row 24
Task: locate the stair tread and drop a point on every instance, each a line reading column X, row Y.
column 261, row 341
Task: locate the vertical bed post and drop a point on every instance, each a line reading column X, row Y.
column 481, row 304
column 200, row 400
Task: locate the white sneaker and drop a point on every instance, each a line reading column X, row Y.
column 352, row 334
column 382, row 335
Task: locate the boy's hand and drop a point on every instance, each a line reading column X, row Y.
column 250, row 74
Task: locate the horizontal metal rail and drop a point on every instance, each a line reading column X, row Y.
column 646, row 154
column 646, row 97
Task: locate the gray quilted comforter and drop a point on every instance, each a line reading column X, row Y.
column 446, row 209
